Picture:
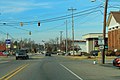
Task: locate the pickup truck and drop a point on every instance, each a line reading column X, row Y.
column 21, row 54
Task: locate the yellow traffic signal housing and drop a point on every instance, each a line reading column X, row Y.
column 30, row 33
column 38, row 23
column 21, row 24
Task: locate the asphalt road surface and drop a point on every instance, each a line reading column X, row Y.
column 40, row 67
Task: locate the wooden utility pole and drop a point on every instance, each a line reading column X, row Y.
column 72, row 9
column 66, row 38
column 104, row 31
column 61, row 39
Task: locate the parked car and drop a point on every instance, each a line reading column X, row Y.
column 47, row 54
column 21, row 54
column 6, row 52
column 116, row 62
column 94, row 52
column 2, row 54
column 61, row 53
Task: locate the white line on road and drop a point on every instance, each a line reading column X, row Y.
column 71, row 72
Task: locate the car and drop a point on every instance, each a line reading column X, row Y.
column 47, row 54
column 2, row 54
column 94, row 52
column 116, row 62
column 59, row 53
column 21, row 54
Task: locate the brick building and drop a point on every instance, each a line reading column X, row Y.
column 114, row 31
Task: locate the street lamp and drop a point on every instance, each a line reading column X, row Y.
column 104, row 30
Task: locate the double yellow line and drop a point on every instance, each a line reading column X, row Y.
column 14, row 72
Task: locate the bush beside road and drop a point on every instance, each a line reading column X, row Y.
column 98, row 60
column 90, row 57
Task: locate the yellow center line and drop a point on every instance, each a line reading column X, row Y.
column 14, row 72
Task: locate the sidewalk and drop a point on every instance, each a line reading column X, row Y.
column 85, row 59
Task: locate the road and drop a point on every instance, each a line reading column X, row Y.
column 40, row 67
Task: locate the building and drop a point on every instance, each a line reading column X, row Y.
column 92, row 40
column 79, row 47
column 113, row 24
column 81, row 44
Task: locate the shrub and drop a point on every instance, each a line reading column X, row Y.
column 117, row 53
column 110, row 53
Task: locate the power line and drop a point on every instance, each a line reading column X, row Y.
column 53, row 27
column 77, row 14
column 56, row 18
column 64, row 23
column 52, row 21
column 6, row 34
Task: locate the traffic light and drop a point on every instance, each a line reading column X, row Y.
column 21, row 24
column 38, row 23
column 30, row 33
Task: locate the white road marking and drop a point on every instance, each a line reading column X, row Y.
column 71, row 72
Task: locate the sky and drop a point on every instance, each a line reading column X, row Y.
column 52, row 14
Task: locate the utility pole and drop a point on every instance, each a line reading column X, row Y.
column 7, row 35
column 66, row 37
column 57, row 43
column 72, row 9
column 7, row 43
column 60, row 38
column 104, row 30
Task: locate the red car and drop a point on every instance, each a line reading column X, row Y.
column 116, row 62
column 2, row 54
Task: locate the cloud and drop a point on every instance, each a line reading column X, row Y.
column 8, row 6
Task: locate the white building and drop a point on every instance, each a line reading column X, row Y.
column 81, row 44
column 92, row 41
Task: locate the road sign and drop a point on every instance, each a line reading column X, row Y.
column 100, row 40
column 101, row 47
column 8, row 41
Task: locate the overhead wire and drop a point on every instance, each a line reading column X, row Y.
column 77, row 14
column 57, row 18
column 64, row 16
column 6, row 34
column 69, row 21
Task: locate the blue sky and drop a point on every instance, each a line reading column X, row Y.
column 89, row 18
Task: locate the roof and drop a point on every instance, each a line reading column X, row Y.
column 116, row 16
column 93, row 35
column 78, row 40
